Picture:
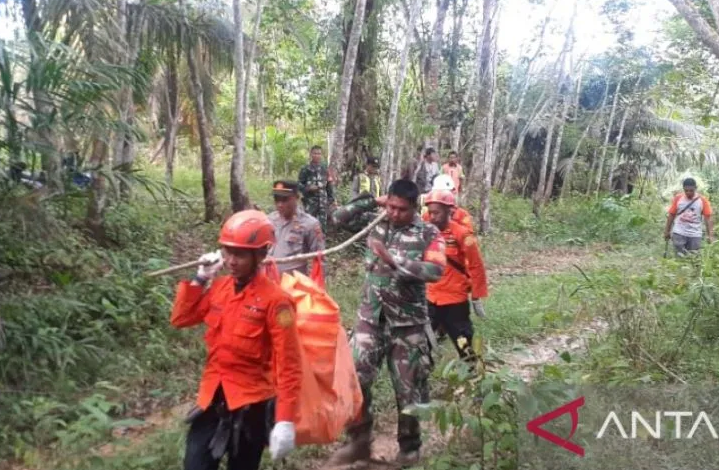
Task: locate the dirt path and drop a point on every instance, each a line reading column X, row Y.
column 549, row 261
column 524, row 363
column 546, row 350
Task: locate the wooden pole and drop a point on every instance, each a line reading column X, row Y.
column 290, row 259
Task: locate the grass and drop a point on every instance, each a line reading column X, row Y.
column 144, row 364
column 523, row 307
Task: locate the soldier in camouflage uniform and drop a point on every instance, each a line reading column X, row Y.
column 404, row 253
column 316, row 188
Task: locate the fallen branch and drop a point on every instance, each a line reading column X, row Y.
column 289, row 259
column 661, row 366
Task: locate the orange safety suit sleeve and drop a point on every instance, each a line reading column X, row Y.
column 706, row 207
column 675, row 203
column 287, row 360
column 191, row 305
column 475, row 266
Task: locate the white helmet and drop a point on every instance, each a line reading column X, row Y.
column 443, row 182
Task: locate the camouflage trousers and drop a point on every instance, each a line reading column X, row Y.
column 317, row 208
column 409, row 362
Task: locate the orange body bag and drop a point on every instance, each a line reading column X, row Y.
column 331, row 396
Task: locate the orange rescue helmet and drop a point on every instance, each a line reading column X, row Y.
column 247, row 229
column 441, row 196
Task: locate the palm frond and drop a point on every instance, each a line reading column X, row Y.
column 677, row 128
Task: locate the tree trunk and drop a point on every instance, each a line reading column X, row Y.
column 44, row 107
column 566, row 181
column 238, row 192
column 539, row 193
column 262, row 123
column 250, row 62
column 538, row 111
column 578, row 92
column 458, row 14
column 206, row 152
column 593, row 166
column 172, row 104
column 457, row 131
column 621, row 134
column 95, row 219
column 592, row 171
column 484, row 120
column 532, row 60
column 389, row 141
column 432, row 71
column 508, row 122
column 502, row 142
column 557, row 149
column 337, row 157
column 703, row 30
column 130, row 27
column 362, row 113
column 600, row 163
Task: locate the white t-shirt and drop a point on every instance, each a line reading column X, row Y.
column 689, row 222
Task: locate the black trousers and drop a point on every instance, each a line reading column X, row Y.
column 251, row 441
column 454, row 319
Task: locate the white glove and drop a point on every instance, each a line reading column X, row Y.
column 211, row 265
column 282, row 439
column 478, row 308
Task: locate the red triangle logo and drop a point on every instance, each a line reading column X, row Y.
column 534, row 426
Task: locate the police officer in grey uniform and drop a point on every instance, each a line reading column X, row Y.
column 296, row 231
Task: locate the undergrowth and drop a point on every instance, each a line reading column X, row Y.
column 580, row 220
column 87, row 340
column 663, row 324
column 82, row 326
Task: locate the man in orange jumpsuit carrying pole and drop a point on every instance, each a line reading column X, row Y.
column 449, row 307
column 249, row 321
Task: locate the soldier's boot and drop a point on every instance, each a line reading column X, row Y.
column 357, row 448
column 407, row 459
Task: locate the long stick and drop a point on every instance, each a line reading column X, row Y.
column 290, row 259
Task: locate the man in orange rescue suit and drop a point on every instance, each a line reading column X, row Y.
column 458, row 214
column 249, row 321
column 464, row 274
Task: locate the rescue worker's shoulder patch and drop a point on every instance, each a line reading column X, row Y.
column 470, row 240
column 284, row 314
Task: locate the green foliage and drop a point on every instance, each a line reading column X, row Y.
column 81, row 324
column 581, row 221
column 481, row 412
column 660, row 320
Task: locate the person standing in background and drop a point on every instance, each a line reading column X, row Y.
column 455, row 171
column 684, row 224
column 317, row 190
column 368, row 181
column 296, row 231
column 427, row 170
